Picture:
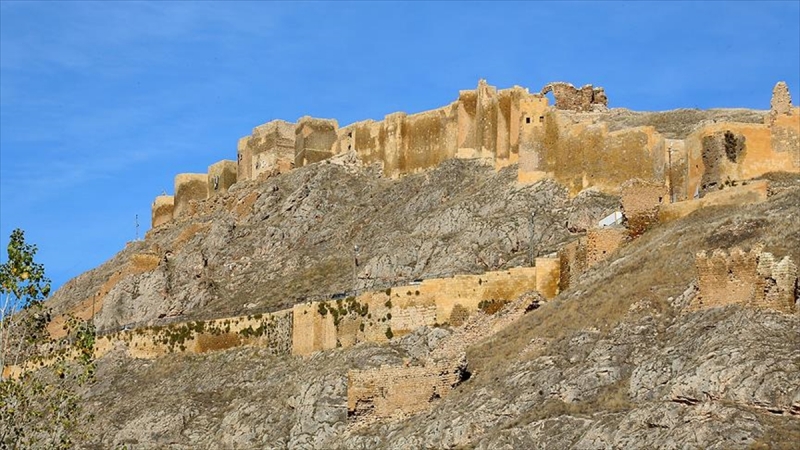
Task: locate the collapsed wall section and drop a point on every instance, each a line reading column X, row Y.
column 754, row 279
column 641, row 201
column 314, row 139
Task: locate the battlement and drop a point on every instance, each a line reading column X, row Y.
column 750, row 278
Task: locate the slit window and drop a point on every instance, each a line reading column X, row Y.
column 527, row 120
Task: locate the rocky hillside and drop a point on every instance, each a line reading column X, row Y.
column 266, row 246
column 614, row 362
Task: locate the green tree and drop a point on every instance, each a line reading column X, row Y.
column 39, row 403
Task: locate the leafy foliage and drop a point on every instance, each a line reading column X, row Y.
column 39, row 405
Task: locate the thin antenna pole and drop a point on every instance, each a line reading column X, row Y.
column 137, row 227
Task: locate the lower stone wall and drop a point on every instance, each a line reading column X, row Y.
column 755, row 279
column 392, row 391
column 269, row 331
column 381, row 315
column 602, row 242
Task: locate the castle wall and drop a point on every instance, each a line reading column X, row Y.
column 572, row 261
column 743, row 194
column 548, row 276
column 188, row 187
column 755, row 279
column 602, row 242
column 269, row 331
column 221, row 176
column 677, row 167
column 578, row 153
column 387, row 391
column 314, row 139
column 378, row 316
column 722, row 153
column 641, row 201
column 269, row 150
column 161, row 210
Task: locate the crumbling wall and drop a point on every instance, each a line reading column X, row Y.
column 578, row 153
column 534, row 113
column 161, row 211
column 389, row 391
column 602, row 242
column 221, row 176
column 314, row 139
column 641, row 201
column 755, row 279
column 747, row 193
column 269, row 150
column 548, row 276
column 189, row 187
column 781, row 101
column 378, row 316
column 272, row 332
column 572, row 261
column 568, row 97
column 677, row 167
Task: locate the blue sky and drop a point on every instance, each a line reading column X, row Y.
column 101, row 104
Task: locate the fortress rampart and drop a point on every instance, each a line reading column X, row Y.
column 566, row 142
column 754, row 278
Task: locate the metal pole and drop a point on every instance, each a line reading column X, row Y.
column 531, row 254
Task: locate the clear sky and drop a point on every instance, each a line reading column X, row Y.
column 101, row 104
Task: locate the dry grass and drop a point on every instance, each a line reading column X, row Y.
column 656, row 266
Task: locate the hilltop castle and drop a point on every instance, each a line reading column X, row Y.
column 568, row 142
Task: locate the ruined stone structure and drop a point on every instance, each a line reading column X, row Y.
column 585, row 99
column 378, row 316
column 756, row 279
column 390, row 391
column 641, row 201
column 565, row 142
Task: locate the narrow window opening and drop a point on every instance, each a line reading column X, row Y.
column 527, row 120
column 541, row 119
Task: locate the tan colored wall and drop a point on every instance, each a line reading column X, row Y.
column 268, row 331
column 578, row 153
column 755, row 279
column 162, row 209
column 744, row 194
column 221, row 176
column 785, row 136
column 548, row 276
column 269, row 150
column 677, row 167
column 641, row 201
column 572, row 262
column 373, row 316
column 711, row 167
column 314, row 139
column 189, row 187
column 602, row 242
column 583, row 99
column 390, row 391
column 534, row 113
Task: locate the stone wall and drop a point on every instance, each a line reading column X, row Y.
column 392, row 391
column 602, row 242
column 641, row 201
column 746, row 193
column 381, row 315
column 578, row 153
column 314, row 139
column 162, row 210
column 585, row 99
column 269, row 150
column 221, row 176
column 754, row 279
column 269, row 331
column 189, row 187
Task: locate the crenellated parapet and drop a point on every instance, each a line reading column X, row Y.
column 749, row 278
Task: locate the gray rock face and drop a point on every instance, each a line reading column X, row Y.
column 297, row 240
